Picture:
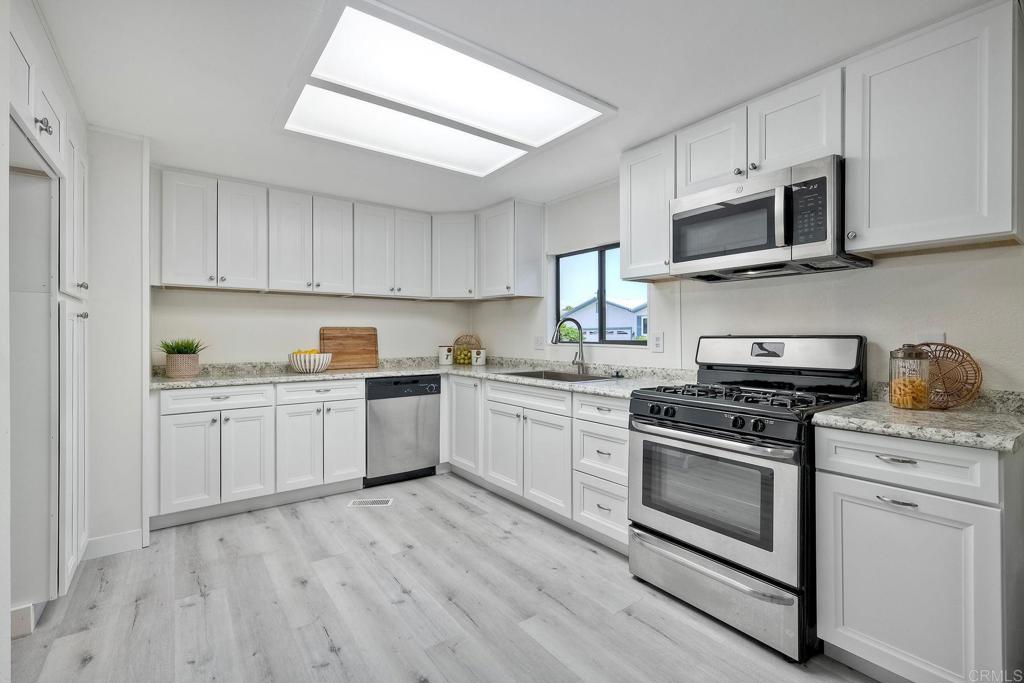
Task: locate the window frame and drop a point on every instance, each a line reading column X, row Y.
column 601, row 298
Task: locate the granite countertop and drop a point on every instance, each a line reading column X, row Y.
column 971, row 428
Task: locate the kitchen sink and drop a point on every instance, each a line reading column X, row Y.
column 558, row 376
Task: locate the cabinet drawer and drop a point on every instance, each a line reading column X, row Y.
column 969, row 473
column 600, row 505
column 174, row 401
column 609, row 411
column 310, row 392
column 601, row 450
column 537, row 398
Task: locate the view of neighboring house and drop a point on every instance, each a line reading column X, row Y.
column 622, row 323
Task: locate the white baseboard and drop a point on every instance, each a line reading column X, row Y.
column 25, row 618
column 101, row 546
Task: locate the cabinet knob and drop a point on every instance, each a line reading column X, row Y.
column 44, row 125
column 319, row 410
column 211, row 278
column 82, row 285
column 399, row 289
column 328, row 410
column 213, row 421
column 737, row 171
column 603, row 507
column 508, row 288
column 852, row 235
column 227, row 419
column 318, row 284
column 223, row 278
column 666, row 262
column 392, row 289
column 309, row 284
column 84, row 315
column 470, row 291
column 753, row 166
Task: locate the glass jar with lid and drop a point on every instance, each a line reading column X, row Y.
column 908, row 377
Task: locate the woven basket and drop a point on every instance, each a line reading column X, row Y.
column 954, row 377
column 462, row 346
column 182, row 365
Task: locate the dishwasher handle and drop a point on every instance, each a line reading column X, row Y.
column 402, row 387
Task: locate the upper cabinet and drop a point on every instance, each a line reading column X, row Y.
column 189, row 230
column 711, row 152
column 412, row 254
column 392, row 252
column 454, row 255
column 74, row 260
column 22, row 67
column 646, row 188
column 241, row 235
column 511, row 249
column 291, row 241
column 332, row 246
column 930, row 130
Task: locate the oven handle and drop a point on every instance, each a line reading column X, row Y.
column 724, row 444
column 650, row 542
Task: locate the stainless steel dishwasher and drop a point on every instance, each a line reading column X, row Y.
column 403, row 428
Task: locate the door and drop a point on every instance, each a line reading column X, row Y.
column 497, row 250
column 929, row 124
column 246, row 453
column 332, row 246
column 189, row 231
column 647, row 177
column 503, row 446
column 241, row 235
column 547, row 461
column 465, row 423
column 73, row 441
column 412, row 254
column 81, row 227
column 454, row 255
column 291, row 241
column 712, row 153
column 189, row 461
column 799, row 123
column 344, row 440
column 909, row 581
column 70, row 244
column 300, row 446
column 374, row 248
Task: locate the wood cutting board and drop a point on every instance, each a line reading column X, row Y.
column 352, row 347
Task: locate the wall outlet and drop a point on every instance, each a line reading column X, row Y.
column 659, row 342
column 925, row 336
column 538, row 342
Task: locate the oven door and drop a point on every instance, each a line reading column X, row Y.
column 734, row 500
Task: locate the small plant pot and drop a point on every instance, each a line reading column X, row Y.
column 182, row 365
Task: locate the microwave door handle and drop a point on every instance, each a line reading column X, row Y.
column 780, row 216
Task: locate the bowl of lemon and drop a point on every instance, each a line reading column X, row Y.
column 309, row 361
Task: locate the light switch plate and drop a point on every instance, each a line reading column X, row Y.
column 538, row 343
column 659, row 342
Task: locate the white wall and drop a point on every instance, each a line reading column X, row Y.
column 5, row 365
column 249, row 326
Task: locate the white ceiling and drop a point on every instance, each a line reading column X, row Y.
column 204, row 79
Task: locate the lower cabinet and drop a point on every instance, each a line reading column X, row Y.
column 600, row 505
column 344, row 440
column 189, row 461
column 464, row 403
column 503, row 446
column 300, row 446
column 547, row 461
column 246, row 453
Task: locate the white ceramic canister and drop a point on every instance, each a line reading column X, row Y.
column 479, row 356
column 444, row 355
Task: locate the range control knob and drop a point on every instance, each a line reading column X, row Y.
column 738, row 422
column 655, row 409
column 669, row 411
column 431, row 388
column 757, row 425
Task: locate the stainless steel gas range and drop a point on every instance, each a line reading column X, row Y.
column 721, row 480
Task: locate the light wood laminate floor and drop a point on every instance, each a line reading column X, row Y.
column 450, row 583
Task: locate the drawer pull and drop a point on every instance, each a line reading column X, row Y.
column 323, row 391
column 892, row 459
column 603, row 409
column 219, row 398
column 893, row 501
column 600, row 452
column 603, row 507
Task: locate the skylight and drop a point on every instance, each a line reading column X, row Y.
column 341, row 118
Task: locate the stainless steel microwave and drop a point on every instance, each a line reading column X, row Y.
column 783, row 222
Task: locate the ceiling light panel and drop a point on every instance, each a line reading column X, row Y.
column 356, row 122
column 371, row 55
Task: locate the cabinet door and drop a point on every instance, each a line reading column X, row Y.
column 49, row 120
column 70, row 245
column 73, row 441
column 929, row 125
column 241, row 236
column 374, row 248
column 22, row 67
column 300, row 446
column 189, row 230
column 246, row 453
column 81, row 227
column 503, row 446
column 332, row 246
column 189, row 461
column 909, row 581
column 465, row 423
column 412, row 254
column 647, row 177
column 799, row 123
column 291, row 241
column 547, row 461
column 454, row 255
column 344, row 440
column 496, row 231
column 713, row 152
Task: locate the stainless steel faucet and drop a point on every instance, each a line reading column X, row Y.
column 556, row 338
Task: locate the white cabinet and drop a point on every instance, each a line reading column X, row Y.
column 465, row 430
column 601, row 450
column 73, row 258
column 511, row 250
column 73, row 441
column 374, row 239
column 646, row 189
column 454, row 255
column 503, row 446
column 909, row 581
column 712, row 152
column 189, row 230
column 246, row 453
column 291, row 241
column 241, row 235
column 189, row 461
column 22, row 66
column 547, row 461
column 300, row 446
column 930, row 136
column 344, row 440
column 600, row 506
column 412, row 254
column 332, row 246
column 49, row 118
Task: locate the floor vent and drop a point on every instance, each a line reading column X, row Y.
column 370, row 502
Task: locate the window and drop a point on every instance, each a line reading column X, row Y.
column 590, row 290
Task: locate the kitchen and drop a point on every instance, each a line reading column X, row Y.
column 513, row 342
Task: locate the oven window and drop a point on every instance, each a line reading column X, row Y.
column 726, row 496
column 732, row 229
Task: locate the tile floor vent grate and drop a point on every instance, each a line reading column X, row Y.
column 370, row 502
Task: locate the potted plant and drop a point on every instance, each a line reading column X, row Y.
column 182, row 357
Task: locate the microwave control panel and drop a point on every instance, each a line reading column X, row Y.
column 810, row 211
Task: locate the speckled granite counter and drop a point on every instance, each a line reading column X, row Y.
column 972, row 428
